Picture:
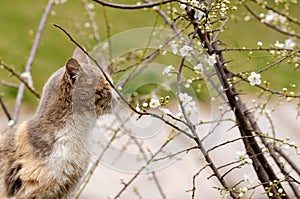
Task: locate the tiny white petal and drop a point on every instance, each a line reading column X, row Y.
column 211, row 60
column 11, row 123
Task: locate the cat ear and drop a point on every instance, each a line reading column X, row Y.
column 72, row 69
column 80, row 56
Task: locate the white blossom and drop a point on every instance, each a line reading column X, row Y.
column 188, row 104
column 269, row 17
column 190, row 107
column 198, row 14
column 168, row 70
column 194, row 3
column 174, row 48
column 279, row 45
column 154, row 103
column 240, row 155
column 184, row 97
column 270, row 194
column 87, row 24
column 259, row 43
column 185, row 50
column 254, row 79
column 166, row 111
column 105, row 45
column 91, row 6
column 289, row 43
column 248, row 161
column 179, row 115
column 248, row 179
column 247, row 18
column 211, row 60
column 182, row 5
column 273, row 17
column 198, row 68
column 188, row 83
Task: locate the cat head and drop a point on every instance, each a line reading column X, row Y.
column 91, row 89
column 78, row 88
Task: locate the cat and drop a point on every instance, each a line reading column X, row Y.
column 46, row 156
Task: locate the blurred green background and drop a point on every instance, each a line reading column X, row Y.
column 19, row 21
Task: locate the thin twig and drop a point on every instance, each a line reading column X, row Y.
column 92, row 20
column 194, row 179
column 295, row 167
column 132, row 7
column 271, row 25
column 255, row 49
column 31, row 57
column 5, row 109
column 176, row 153
column 279, row 61
column 264, row 5
column 8, row 84
column 14, row 73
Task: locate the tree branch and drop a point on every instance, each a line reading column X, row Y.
column 132, row 7
column 14, row 73
column 271, row 25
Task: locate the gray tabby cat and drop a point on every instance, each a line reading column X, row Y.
column 46, row 156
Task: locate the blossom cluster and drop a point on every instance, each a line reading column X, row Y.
column 274, row 18
column 188, row 103
column 288, row 44
column 211, row 60
column 185, row 50
column 195, row 5
column 154, row 103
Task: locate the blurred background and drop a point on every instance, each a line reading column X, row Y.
column 19, row 21
column 18, row 25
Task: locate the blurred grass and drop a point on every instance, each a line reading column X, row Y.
column 19, row 21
